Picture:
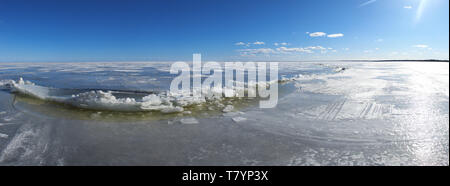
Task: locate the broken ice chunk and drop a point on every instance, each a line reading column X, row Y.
column 189, row 121
column 239, row 119
column 228, row 108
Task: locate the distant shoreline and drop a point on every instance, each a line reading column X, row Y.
column 384, row 60
column 402, row 60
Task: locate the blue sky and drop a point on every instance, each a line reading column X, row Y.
column 223, row 30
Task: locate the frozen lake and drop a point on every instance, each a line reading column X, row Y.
column 328, row 113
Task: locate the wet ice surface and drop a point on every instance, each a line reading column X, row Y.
column 367, row 114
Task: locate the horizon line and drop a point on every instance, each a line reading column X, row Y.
column 314, row 60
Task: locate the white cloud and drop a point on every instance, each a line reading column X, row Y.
column 246, row 52
column 323, row 34
column 309, row 49
column 282, row 44
column 317, row 34
column 249, row 44
column 367, row 3
column 379, row 40
column 335, row 35
column 315, row 48
column 407, row 7
column 285, row 50
column 259, row 43
column 420, row 46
